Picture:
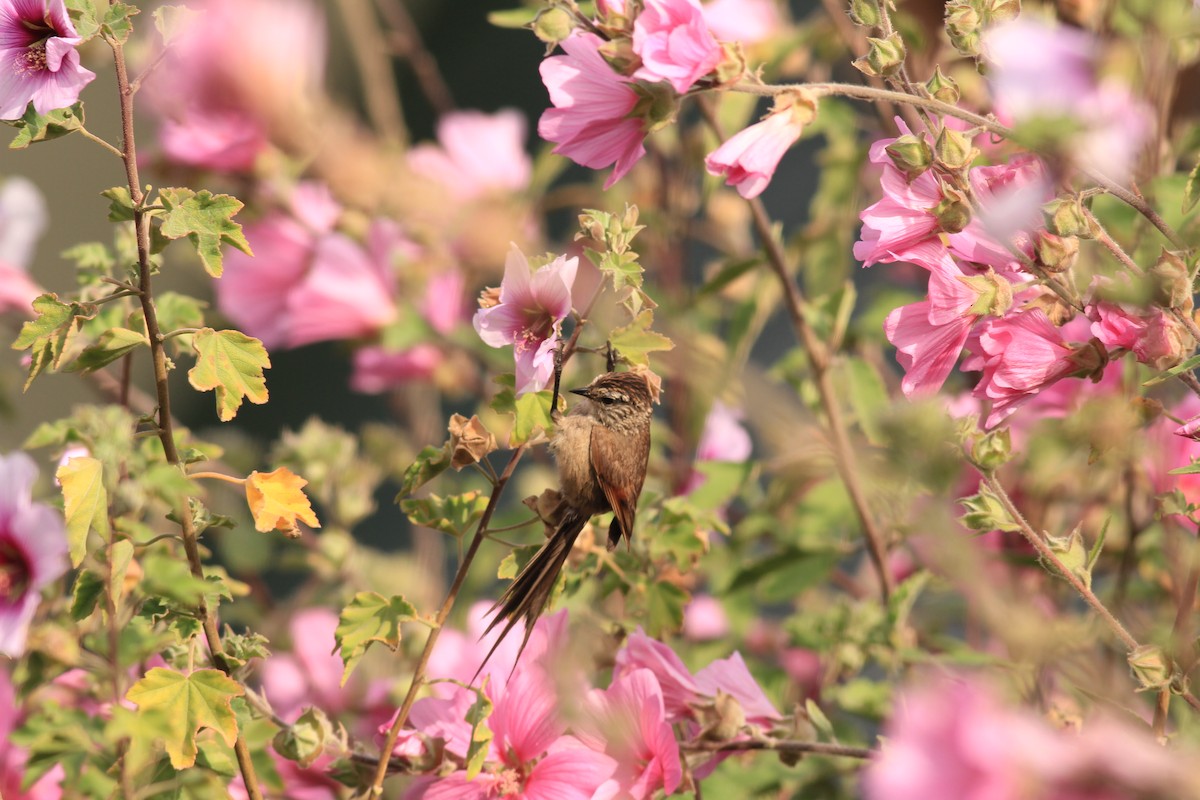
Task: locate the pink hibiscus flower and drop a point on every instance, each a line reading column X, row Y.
column 674, row 42
column 476, row 153
column 41, row 65
column 749, row 158
column 590, row 122
column 33, row 550
column 745, row 21
column 904, row 216
column 226, row 140
column 14, row 758
column 529, row 316
column 627, row 721
column 1154, row 337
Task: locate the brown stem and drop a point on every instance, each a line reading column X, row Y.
column 158, row 356
column 819, row 357
column 781, row 746
column 418, row 678
column 375, row 69
column 408, row 45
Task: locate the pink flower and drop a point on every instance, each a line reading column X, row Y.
column 1010, row 199
column 477, row 153
column 1021, row 354
column 37, row 49
column 745, row 21
column 590, row 121
column 674, row 43
column 311, row 674
column 33, row 550
column 678, row 686
column 627, row 721
column 953, row 739
column 529, row 316
column 253, row 290
column 704, row 619
column 1154, row 337
column 749, row 158
column 530, row 756
column 903, row 217
column 226, row 140
column 724, row 438
column 378, row 370
column 731, row 676
column 14, row 758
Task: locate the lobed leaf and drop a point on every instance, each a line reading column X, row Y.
column 206, row 220
column 370, row 617
column 188, row 703
column 277, row 501
column 230, row 363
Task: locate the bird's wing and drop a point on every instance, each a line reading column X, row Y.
column 621, row 486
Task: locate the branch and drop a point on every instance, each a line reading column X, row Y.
column 781, row 746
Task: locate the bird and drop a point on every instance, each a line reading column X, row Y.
column 601, row 448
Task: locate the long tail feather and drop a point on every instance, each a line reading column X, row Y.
column 527, row 596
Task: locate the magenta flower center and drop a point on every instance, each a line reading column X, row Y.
column 34, row 60
column 37, row 33
column 14, row 572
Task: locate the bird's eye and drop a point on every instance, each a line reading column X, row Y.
column 608, row 401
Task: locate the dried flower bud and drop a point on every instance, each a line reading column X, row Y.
column 470, row 441
column 548, row 506
column 995, row 294
column 985, row 512
column 1172, row 282
column 954, row 149
column 722, row 720
column 1065, row 217
column 1090, row 359
column 992, row 450
column 1056, row 253
column 864, row 12
column 732, row 66
column 1151, row 667
column 1072, row 554
column 911, row 154
column 942, row 87
column 884, row 57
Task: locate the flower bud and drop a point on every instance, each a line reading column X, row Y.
column 553, row 25
column 884, row 57
column 992, row 450
column 985, row 512
column 1065, row 217
column 865, row 13
column 723, row 719
column 1072, row 555
column 963, row 24
column 952, row 215
column 657, row 104
column 954, row 149
column 941, row 87
column 619, row 54
column 732, row 65
column 911, row 154
column 1172, row 282
column 1056, row 253
column 1089, row 359
column 1151, row 667
column 995, row 294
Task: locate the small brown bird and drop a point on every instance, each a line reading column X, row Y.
column 601, row 448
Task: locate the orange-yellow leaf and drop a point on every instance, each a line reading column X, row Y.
column 277, row 501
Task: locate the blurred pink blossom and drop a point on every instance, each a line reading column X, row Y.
column 225, row 140
column 590, row 122
column 1154, row 337
column 23, row 219
column 299, row 783
column 953, row 739
column 724, row 438
column 705, row 619
column 749, row 158
column 33, row 550
column 476, row 153
column 674, row 43
column 253, row 290
column 1114, row 123
column 731, row 676
column 378, row 370
column 627, row 722
column 745, row 21
column 529, row 316
column 37, row 47
column 14, row 758
column 311, row 674
column 1010, row 199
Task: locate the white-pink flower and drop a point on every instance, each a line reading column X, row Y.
column 749, row 158
column 628, row 722
column 476, row 153
column 38, row 60
column 745, row 21
column 590, row 122
column 33, row 550
column 674, row 42
column 529, row 316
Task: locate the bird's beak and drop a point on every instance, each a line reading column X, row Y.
column 585, row 391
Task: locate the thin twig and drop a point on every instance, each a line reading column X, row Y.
column 820, row 360
column 409, row 46
column 85, row 133
column 380, row 91
column 781, row 746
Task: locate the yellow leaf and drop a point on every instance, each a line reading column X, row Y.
column 277, row 501
column 187, row 703
column 85, row 501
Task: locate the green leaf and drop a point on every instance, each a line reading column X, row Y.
column 859, row 382
column 512, row 17
column 817, row 717
column 120, row 204
column 728, row 274
column 664, row 607
column 481, row 734
column 50, row 335
column 83, row 17
column 94, row 257
column 170, row 21
column 111, row 345
column 240, row 648
column 512, row 564
column 636, row 341
column 370, row 617
column 85, row 594
column 35, row 127
column 791, row 570
column 531, row 411
column 120, row 555
column 116, row 25
column 453, row 515
column 231, row 363
column 206, row 220
column 1178, row 369
column 431, row 462
column 1190, row 469
column 1191, row 190
column 86, row 503
column 188, row 703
